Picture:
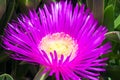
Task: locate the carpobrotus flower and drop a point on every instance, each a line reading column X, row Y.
column 67, row 41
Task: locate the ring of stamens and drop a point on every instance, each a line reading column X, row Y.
column 62, row 43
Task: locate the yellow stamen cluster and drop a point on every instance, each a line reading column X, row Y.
column 60, row 42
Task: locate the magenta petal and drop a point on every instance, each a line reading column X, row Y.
column 24, row 36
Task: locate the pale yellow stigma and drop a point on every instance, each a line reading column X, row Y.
column 61, row 43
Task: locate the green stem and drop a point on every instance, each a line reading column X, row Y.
column 40, row 75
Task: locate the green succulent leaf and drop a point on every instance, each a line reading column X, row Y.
column 114, row 36
column 6, row 77
column 109, row 17
column 117, row 23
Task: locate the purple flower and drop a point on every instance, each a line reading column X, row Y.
column 66, row 41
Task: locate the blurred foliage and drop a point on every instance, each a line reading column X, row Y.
column 8, row 14
column 107, row 12
column 2, row 7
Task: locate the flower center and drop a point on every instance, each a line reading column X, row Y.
column 61, row 43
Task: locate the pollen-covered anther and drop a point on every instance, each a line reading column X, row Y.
column 62, row 43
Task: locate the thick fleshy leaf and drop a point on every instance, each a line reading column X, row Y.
column 6, row 77
column 117, row 23
column 109, row 17
column 114, row 36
